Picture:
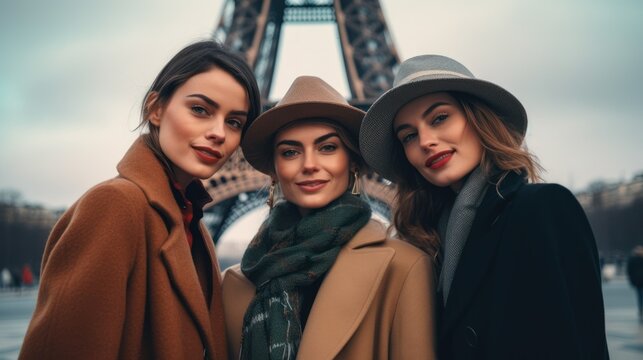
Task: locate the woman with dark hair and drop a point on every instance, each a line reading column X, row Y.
column 321, row 280
column 518, row 276
column 129, row 271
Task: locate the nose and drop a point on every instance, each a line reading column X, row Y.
column 216, row 130
column 427, row 139
column 310, row 163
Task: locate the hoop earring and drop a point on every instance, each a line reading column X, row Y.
column 356, row 188
column 271, row 194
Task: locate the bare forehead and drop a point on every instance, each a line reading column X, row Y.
column 303, row 131
column 217, row 84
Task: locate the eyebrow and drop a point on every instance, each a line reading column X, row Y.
column 298, row 143
column 216, row 105
column 424, row 114
column 432, row 107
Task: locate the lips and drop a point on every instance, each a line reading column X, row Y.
column 438, row 160
column 207, row 154
column 311, row 185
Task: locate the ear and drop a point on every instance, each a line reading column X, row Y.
column 153, row 108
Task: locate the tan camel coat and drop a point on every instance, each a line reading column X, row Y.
column 376, row 302
column 118, row 279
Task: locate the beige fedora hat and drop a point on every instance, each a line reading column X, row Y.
column 419, row 76
column 308, row 97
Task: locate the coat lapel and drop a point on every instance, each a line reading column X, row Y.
column 478, row 251
column 141, row 166
column 178, row 260
column 345, row 294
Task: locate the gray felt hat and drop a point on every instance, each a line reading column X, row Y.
column 419, row 76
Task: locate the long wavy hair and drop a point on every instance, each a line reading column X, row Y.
column 418, row 203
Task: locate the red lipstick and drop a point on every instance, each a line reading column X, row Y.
column 438, row 160
column 207, row 154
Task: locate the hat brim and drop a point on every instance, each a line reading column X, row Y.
column 257, row 144
column 377, row 140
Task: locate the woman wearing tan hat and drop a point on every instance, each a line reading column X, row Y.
column 519, row 272
column 321, row 280
column 129, row 271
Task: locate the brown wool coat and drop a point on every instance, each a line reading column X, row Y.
column 118, row 280
column 376, row 302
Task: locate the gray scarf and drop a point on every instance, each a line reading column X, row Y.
column 455, row 231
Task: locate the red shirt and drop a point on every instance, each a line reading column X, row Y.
column 191, row 203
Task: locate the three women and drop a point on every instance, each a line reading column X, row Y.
column 129, row 271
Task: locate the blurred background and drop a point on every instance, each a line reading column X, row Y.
column 73, row 75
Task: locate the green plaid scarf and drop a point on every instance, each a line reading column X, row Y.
column 291, row 252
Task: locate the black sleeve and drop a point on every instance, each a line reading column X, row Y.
column 565, row 274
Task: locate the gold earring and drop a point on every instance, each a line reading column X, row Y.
column 356, row 190
column 271, row 194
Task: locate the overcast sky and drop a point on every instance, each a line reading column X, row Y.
column 73, row 74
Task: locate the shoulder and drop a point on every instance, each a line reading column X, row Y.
column 234, row 273
column 116, row 202
column 374, row 238
column 544, row 200
column 544, row 193
column 114, row 194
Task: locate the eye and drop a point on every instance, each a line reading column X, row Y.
column 235, row 123
column 440, row 118
column 405, row 138
column 289, row 153
column 328, row 148
column 199, row 110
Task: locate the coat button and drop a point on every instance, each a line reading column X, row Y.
column 470, row 337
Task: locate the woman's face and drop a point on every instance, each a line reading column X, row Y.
column 311, row 164
column 200, row 126
column 438, row 140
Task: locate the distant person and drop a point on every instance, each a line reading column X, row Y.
column 635, row 275
column 321, row 280
column 27, row 276
column 7, row 279
column 129, row 271
column 519, row 275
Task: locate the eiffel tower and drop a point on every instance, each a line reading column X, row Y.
column 253, row 28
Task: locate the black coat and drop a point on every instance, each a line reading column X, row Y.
column 527, row 285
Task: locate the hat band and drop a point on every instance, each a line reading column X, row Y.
column 418, row 74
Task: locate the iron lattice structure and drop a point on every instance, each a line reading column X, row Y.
column 253, row 28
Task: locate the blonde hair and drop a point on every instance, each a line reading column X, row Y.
column 418, row 203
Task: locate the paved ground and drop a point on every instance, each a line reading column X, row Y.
column 624, row 332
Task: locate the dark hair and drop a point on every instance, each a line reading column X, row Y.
column 192, row 60
column 420, row 203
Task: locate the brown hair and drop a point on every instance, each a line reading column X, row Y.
column 420, row 203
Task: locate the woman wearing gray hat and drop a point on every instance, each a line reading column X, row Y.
column 518, row 276
column 321, row 280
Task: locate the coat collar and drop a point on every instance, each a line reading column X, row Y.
column 479, row 249
column 340, row 305
column 141, row 166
